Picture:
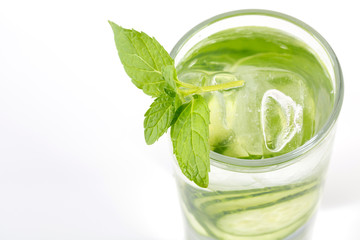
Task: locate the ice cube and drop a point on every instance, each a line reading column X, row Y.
column 223, row 77
column 221, row 105
column 195, row 77
column 218, row 129
column 281, row 119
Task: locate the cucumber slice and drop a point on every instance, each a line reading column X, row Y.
column 276, row 235
column 218, row 129
column 193, row 222
column 258, row 214
column 270, row 219
column 256, row 200
column 207, row 198
column 235, row 149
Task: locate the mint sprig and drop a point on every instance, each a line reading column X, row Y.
column 152, row 69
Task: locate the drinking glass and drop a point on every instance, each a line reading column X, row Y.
column 260, row 199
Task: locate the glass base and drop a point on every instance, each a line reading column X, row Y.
column 303, row 233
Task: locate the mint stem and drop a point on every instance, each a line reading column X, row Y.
column 192, row 89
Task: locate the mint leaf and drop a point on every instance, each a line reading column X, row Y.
column 169, row 73
column 190, row 137
column 158, row 118
column 143, row 59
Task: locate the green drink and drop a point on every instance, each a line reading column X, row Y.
column 251, row 106
column 270, row 138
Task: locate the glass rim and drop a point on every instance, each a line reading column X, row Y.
column 338, row 87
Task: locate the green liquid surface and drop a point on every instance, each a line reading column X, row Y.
column 287, row 97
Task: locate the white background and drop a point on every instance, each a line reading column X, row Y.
column 73, row 160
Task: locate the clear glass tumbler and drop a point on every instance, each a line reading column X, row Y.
column 272, row 198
